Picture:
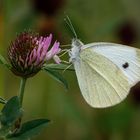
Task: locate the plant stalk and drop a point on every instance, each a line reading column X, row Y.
column 21, row 90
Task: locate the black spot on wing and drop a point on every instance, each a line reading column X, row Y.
column 125, row 65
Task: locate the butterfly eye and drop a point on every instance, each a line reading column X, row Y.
column 77, row 43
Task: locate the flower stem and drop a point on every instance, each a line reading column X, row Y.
column 21, row 90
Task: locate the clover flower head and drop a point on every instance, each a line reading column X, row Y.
column 28, row 52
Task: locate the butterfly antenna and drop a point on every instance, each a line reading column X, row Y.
column 69, row 23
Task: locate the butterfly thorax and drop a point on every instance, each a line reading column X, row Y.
column 75, row 50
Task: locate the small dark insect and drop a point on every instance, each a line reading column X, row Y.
column 125, row 65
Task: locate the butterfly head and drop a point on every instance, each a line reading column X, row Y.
column 77, row 43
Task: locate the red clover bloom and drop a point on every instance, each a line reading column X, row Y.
column 28, row 52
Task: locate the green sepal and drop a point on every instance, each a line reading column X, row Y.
column 4, row 62
column 57, row 76
column 11, row 112
column 29, row 129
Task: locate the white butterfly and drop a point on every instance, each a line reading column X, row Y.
column 105, row 71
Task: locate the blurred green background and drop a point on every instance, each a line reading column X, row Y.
column 94, row 20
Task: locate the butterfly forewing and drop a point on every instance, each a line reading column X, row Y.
column 124, row 57
column 106, row 73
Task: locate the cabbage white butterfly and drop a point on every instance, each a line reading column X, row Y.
column 105, row 71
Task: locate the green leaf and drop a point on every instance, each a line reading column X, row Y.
column 3, row 101
column 29, row 129
column 59, row 67
column 4, row 62
column 11, row 112
column 4, row 131
column 57, row 76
